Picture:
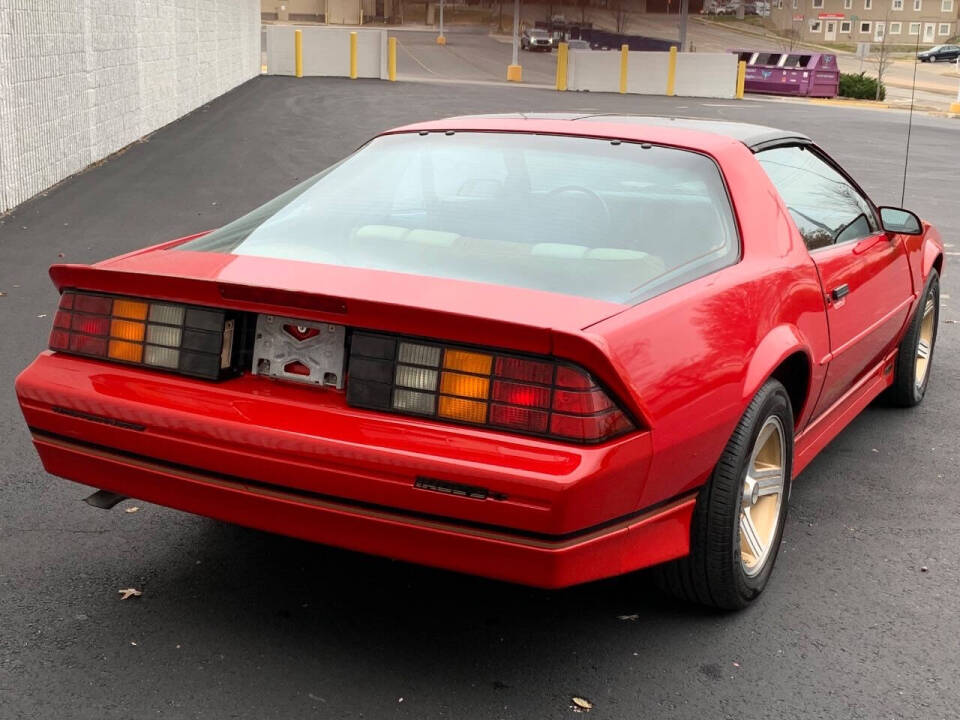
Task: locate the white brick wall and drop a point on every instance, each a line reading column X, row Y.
column 80, row 79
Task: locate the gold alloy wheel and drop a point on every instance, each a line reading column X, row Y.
column 925, row 342
column 763, row 488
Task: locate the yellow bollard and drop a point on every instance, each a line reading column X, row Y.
column 392, row 59
column 353, row 55
column 562, row 54
column 672, row 71
column 514, row 73
column 298, row 53
column 741, row 77
column 624, row 63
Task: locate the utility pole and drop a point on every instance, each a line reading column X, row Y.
column 684, row 12
column 515, row 72
column 441, row 38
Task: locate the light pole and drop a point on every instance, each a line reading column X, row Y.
column 684, row 11
column 441, row 38
column 515, row 72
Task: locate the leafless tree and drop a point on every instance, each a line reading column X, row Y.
column 621, row 13
column 880, row 55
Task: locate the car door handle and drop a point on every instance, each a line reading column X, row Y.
column 841, row 291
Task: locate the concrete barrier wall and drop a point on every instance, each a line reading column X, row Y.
column 698, row 74
column 326, row 51
column 82, row 79
column 707, row 75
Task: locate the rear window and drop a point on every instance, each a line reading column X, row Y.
column 607, row 220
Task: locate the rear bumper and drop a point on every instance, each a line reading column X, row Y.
column 288, row 460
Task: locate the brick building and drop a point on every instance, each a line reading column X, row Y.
column 902, row 22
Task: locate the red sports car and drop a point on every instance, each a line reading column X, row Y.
column 546, row 349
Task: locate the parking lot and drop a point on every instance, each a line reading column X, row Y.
column 860, row 619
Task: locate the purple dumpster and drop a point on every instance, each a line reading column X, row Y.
column 776, row 72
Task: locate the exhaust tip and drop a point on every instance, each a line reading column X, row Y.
column 104, row 499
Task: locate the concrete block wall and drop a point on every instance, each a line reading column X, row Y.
column 80, row 79
column 711, row 75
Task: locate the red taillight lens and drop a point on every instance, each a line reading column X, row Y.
column 189, row 340
column 541, row 397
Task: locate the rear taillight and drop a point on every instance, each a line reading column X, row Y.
column 539, row 396
column 168, row 336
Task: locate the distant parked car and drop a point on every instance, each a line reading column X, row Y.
column 720, row 8
column 536, row 39
column 940, row 53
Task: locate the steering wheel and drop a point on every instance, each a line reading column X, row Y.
column 594, row 198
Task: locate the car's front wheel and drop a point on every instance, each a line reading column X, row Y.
column 739, row 516
column 915, row 354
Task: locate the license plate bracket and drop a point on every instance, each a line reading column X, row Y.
column 299, row 350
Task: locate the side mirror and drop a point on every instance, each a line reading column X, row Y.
column 898, row 220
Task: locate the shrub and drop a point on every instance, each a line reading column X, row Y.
column 860, row 85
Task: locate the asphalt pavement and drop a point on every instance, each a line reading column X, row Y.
column 860, row 619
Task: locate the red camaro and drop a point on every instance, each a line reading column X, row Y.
column 546, row 349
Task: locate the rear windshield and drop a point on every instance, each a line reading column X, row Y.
column 607, row 220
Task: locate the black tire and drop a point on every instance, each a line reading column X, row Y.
column 713, row 573
column 905, row 392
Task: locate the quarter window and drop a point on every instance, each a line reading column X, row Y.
column 826, row 208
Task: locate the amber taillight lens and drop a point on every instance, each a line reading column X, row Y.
column 531, row 395
column 180, row 338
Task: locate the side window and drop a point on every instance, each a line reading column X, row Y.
column 826, row 208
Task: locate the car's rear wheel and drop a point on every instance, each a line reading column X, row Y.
column 739, row 517
column 915, row 354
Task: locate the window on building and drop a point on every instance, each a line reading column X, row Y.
column 897, row 5
column 895, row 28
column 817, row 4
column 868, row 4
column 845, row 26
column 918, row 5
column 914, row 28
column 946, row 6
column 795, row 4
column 847, row 4
column 944, row 28
column 865, row 27
column 816, row 26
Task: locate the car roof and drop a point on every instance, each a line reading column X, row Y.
column 633, row 127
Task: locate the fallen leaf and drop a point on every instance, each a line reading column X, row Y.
column 129, row 593
column 628, row 617
column 582, row 703
column 132, row 509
